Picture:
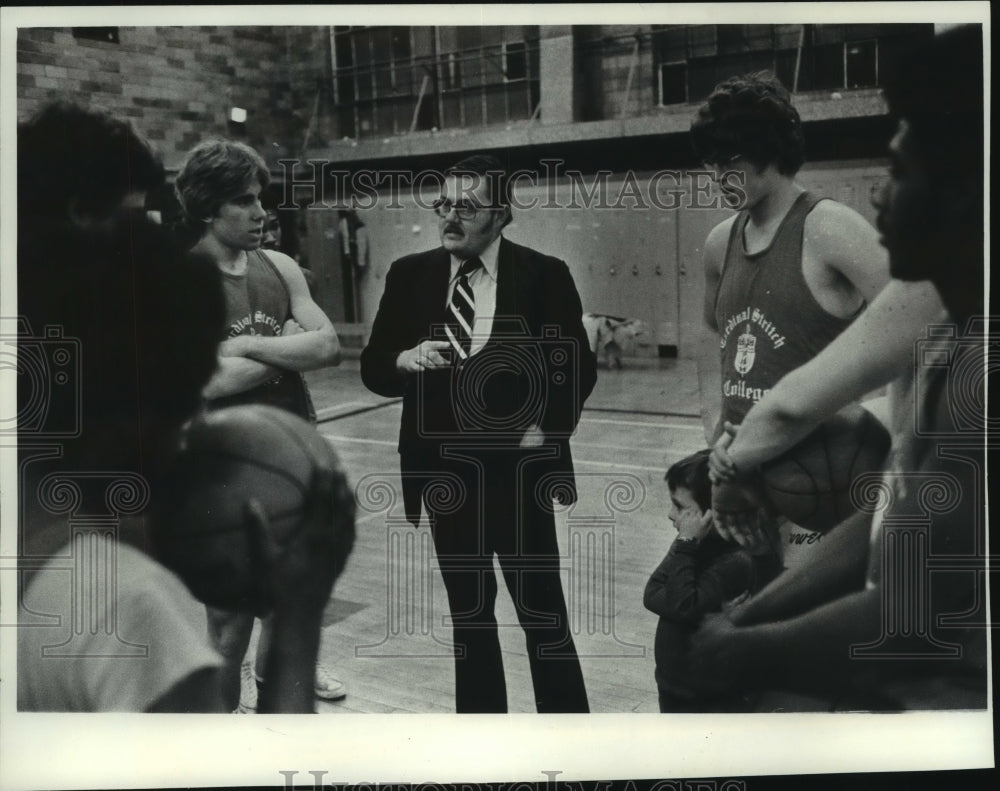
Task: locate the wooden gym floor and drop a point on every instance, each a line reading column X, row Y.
column 385, row 633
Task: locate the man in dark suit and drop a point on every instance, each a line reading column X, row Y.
column 484, row 341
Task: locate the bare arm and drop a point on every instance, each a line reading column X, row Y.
column 236, row 375
column 875, row 349
column 709, row 367
column 847, row 246
column 838, row 570
column 316, row 347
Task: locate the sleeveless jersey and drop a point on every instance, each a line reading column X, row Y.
column 258, row 303
column 769, row 322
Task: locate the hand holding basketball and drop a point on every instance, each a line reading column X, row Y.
column 720, row 465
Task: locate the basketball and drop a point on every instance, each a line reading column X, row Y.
column 227, row 458
column 811, row 483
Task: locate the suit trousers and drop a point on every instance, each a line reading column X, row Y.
column 498, row 511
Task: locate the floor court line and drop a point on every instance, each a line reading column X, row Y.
column 692, row 415
column 698, row 427
column 614, row 447
column 332, row 411
column 618, row 466
column 324, row 415
column 328, row 415
column 360, row 440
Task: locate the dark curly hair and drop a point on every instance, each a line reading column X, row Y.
column 750, row 116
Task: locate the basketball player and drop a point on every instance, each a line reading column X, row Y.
column 80, row 290
column 274, row 332
column 931, row 218
column 783, row 277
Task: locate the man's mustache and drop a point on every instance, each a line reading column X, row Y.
column 451, row 227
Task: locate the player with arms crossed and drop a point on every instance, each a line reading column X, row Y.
column 274, row 331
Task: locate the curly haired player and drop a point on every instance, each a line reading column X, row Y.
column 783, row 277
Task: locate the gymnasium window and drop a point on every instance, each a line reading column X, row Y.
column 515, row 58
column 690, row 60
column 861, row 63
column 673, row 83
column 393, row 80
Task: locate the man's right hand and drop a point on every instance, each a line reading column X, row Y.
column 425, row 356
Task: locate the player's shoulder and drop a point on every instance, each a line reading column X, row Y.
column 833, row 221
column 281, row 261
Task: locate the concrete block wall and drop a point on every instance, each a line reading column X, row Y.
column 177, row 84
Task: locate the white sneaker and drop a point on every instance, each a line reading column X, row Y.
column 327, row 687
column 248, row 690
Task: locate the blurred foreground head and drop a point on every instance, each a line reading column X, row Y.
column 80, row 165
column 931, row 211
column 138, row 317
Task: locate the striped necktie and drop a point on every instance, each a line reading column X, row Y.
column 462, row 310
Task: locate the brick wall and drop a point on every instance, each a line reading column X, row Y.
column 177, row 84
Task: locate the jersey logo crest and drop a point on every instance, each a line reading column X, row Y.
column 746, row 351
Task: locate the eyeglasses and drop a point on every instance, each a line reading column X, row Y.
column 465, row 211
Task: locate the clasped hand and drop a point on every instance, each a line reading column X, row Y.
column 738, row 514
column 739, row 518
column 721, row 467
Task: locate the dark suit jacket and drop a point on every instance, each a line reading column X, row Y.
column 536, row 368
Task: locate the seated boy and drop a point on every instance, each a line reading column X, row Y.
column 700, row 572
